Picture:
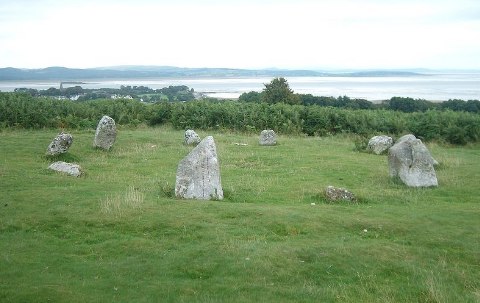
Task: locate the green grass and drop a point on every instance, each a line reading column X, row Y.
column 117, row 234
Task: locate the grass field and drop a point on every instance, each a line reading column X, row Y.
column 117, row 234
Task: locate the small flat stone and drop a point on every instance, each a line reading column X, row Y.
column 67, row 168
column 335, row 194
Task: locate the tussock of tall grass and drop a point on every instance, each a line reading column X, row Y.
column 136, row 148
column 435, row 289
column 119, row 204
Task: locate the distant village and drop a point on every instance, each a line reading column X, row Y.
column 75, row 92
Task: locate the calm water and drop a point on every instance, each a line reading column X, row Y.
column 430, row 87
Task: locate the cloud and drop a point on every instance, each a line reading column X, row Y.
column 292, row 34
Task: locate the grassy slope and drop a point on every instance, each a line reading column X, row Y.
column 116, row 234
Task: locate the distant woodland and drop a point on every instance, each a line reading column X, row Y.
column 143, row 93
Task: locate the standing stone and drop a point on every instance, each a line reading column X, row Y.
column 267, row 137
column 60, row 144
column 68, row 168
column 408, row 137
column 410, row 161
column 379, row 144
column 334, row 194
column 411, row 138
column 198, row 174
column 191, row 137
column 106, row 133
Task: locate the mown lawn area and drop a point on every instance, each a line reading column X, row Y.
column 117, row 233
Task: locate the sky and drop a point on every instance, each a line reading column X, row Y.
column 296, row 34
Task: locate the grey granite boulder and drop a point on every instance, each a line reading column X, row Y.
column 410, row 161
column 198, row 174
column 191, row 137
column 267, row 137
column 379, row 144
column 408, row 137
column 68, row 168
column 335, row 194
column 105, row 134
column 60, row 144
column 411, row 138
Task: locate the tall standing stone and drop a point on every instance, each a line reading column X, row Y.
column 410, row 161
column 106, row 133
column 198, row 174
column 411, row 138
column 267, row 137
column 60, row 144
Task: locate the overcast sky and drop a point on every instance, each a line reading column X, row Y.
column 241, row 33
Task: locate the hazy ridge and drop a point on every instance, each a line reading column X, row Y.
column 131, row 71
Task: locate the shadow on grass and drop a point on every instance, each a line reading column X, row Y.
column 66, row 157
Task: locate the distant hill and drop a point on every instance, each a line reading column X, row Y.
column 132, row 72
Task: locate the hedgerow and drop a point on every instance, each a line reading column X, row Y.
column 24, row 111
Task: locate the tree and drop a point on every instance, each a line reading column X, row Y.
column 409, row 105
column 278, row 91
column 251, row 97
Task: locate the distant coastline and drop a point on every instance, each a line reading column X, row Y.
column 224, row 83
column 63, row 74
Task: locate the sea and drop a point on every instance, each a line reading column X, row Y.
column 432, row 87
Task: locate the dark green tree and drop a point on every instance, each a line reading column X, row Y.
column 278, row 91
column 251, row 97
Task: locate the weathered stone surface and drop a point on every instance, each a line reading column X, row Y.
column 410, row 161
column 198, row 174
column 411, row 138
column 60, row 144
column 191, row 137
column 267, row 137
column 339, row 194
column 379, row 144
column 106, row 133
column 68, row 168
column 408, row 137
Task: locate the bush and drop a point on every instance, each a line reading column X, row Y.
column 23, row 110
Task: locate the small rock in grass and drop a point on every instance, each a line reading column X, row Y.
column 191, row 137
column 379, row 144
column 68, row 168
column 267, row 137
column 335, row 194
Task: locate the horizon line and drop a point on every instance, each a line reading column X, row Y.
column 315, row 69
